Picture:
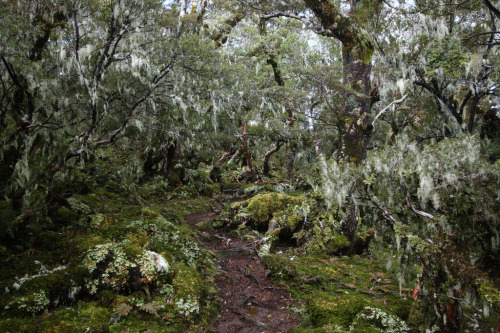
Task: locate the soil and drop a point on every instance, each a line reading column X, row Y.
column 249, row 300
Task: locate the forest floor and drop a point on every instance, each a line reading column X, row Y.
column 250, row 302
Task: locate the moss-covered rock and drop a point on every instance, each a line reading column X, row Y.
column 262, row 207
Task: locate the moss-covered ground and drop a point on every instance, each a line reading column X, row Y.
column 120, row 258
column 114, row 259
column 334, row 290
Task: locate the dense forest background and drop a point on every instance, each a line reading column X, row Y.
column 359, row 128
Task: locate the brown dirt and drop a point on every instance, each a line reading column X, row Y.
column 249, row 301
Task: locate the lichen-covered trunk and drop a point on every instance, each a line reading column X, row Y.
column 358, row 125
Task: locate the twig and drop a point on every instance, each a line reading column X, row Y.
column 249, row 319
column 243, row 301
column 255, row 278
column 385, row 212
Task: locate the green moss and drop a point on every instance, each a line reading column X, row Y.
column 262, row 207
column 281, row 267
column 67, row 214
column 289, row 219
column 335, row 290
column 325, row 308
column 324, row 329
column 88, row 317
column 187, row 282
column 177, row 209
column 139, row 238
column 326, row 240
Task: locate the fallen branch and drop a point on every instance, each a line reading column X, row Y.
column 243, row 301
column 254, row 277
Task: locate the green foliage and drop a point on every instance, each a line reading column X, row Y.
column 442, row 208
column 447, row 57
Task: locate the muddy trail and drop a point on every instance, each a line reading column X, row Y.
column 249, row 301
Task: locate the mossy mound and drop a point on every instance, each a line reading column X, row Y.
column 261, row 210
column 376, row 320
column 303, row 221
column 262, row 207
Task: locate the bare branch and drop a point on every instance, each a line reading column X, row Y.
column 315, row 28
column 418, row 212
column 399, row 101
column 492, row 8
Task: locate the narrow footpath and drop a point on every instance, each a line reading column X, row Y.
column 249, row 301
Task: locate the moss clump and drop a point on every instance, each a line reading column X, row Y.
column 188, row 287
column 281, row 267
column 324, row 308
column 326, row 240
column 122, row 266
column 67, row 215
column 262, row 207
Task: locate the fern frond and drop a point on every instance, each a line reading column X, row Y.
column 150, row 308
column 123, row 310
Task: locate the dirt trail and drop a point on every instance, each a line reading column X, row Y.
column 249, row 301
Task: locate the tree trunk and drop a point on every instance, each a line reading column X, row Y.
column 357, row 52
column 267, row 157
column 215, row 171
column 246, row 153
column 358, row 124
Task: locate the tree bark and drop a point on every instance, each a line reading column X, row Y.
column 244, row 150
column 267, row 157
column 357, row 52
column 358, row 124
column 214, row 172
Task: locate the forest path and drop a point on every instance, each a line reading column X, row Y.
column 249, row 301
